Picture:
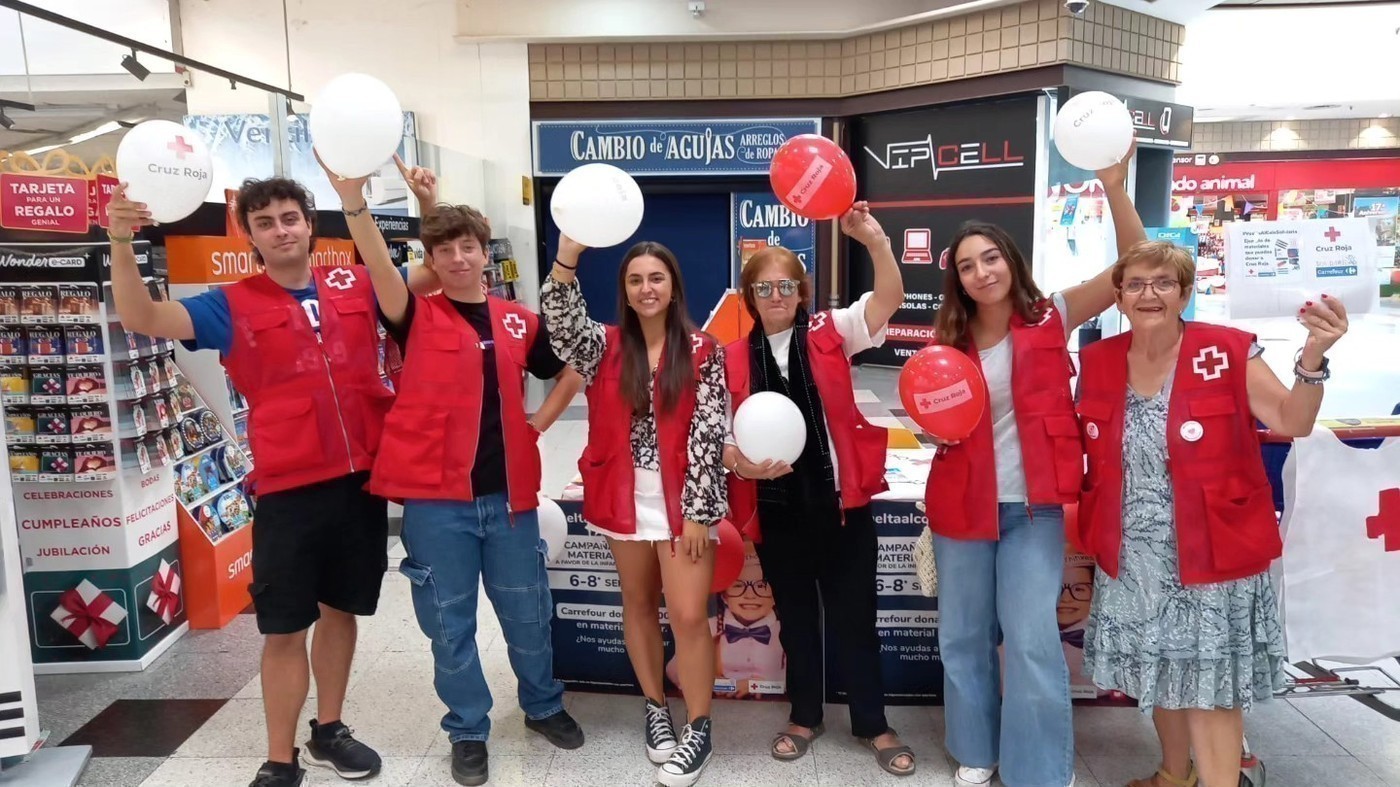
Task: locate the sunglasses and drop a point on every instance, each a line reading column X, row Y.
column 786, row 288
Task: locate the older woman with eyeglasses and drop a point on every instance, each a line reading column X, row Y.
column 812, row 521
column 1178, row 513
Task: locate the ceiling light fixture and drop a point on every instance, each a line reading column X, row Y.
column 134, row 67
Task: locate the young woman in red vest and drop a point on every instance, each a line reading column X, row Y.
column 811, row 522
column 995, row 500
column 652, row 479
column 462, row 453
column 1179, row 515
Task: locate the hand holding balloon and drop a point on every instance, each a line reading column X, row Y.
column 569, row 250
column 861, row 226
column 1115, row 176
column 350, row 190
column 766, row 470
column 125, row 216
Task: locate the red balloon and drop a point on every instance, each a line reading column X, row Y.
column 813, row 177
column 729, row 557
column 943, row 392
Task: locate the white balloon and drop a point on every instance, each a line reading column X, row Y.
column 769, row 426
column 554, row 527
column 166, row 166
column 1093, row 130
column 597, row 205
column 356, row 124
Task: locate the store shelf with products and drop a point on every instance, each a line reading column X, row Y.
column 501, row 273
column 89, row 461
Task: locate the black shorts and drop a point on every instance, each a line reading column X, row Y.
column 323, row 543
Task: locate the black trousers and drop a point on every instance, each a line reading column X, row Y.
column 815, row 564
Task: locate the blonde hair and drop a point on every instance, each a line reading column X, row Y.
column 1156, row 254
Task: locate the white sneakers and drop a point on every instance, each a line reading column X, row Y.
column 974, row 777
column 982, row 777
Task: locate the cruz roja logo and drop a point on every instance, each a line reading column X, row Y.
column 954, row 156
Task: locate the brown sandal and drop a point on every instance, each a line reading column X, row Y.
column 1162, row 775
column 800, row 743
column 886, row 757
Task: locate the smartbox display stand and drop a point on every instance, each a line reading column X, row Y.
column 88, row 428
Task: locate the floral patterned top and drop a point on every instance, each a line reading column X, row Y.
column 580, row 342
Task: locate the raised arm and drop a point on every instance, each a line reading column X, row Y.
column 390, row 289
column 1094, row 296
column 1293, row 411
column 139, row 312
column 577, row 339
column 888, row 294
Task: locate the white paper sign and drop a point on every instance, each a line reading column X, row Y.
column 1273, row 267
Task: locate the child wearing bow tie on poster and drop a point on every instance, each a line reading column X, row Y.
column 746, row 633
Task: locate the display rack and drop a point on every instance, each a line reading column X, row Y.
column 501, row 271
column 89, row 437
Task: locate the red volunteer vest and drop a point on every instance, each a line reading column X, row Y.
column 606, row 465
column 1225, row 523
column 430, row 437
column 859, row 446
column 316, row 407
column 961, row 496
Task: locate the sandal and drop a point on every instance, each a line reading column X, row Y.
column 886, row 757
column 1162, row 776
column 800, row 743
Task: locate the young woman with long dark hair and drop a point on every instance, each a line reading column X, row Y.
column 652, row 478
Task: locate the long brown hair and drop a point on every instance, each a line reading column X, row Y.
column 958, row 308
column 676, row 371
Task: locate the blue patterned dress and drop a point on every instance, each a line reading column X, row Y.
column 1205, row 646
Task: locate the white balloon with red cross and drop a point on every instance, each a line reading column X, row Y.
column 167, row 167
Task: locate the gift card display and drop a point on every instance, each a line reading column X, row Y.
column 24, row 463
column 86, row 385
column 94, row 462
column 38, row 304
column 185, row 398
column 13, row 344
column 51, row 425
column 14, row 384
column 20, row 426
column 78, row 303
column 55, row 464
column 91, row 424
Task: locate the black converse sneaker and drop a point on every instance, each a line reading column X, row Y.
column 334, row 746
column 690, row 757
column 280, row 774
column 661, row 734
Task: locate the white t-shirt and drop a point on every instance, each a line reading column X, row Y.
column 1006, row 439
column 855, row 335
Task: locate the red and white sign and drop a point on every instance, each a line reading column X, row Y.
column 43, row 203
column 100, row 191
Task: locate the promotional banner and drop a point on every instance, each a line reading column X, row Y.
column 42, row 203
column 743, row 146
column 1273, row 267
column 927, row 171
column 241, row 146
column 759, row 220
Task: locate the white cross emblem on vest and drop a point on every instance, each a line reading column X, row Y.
column 514, row 325
column 696, row 342
column 818, row 321
column 341, row 278
column 1210, row 363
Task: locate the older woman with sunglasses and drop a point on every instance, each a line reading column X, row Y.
column 811, row 521
column 1179, row 515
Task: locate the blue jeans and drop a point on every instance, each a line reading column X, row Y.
column 1006, row 591
column 452, row 546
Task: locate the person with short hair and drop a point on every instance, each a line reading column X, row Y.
column 1178, row 512
column 302, row 345
column 462, row 453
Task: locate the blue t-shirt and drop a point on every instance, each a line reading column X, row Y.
column 213, row 322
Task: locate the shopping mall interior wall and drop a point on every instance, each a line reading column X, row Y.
column 470, row 100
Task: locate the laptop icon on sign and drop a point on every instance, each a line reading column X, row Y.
column 918, row 247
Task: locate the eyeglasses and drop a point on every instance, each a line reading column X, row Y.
column 1162, row 286
column 1079, row 591
column 758, row 586
column 786, row 288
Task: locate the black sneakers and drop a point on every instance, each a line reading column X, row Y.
column 560, row 729
column 334, row 746
column 690, row 757
column 280, row 774
column 661, row 734
column 469, row 766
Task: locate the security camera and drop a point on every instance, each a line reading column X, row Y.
column 1077, row 7
column 696, row 7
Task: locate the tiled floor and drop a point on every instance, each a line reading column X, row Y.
column 200, row 715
